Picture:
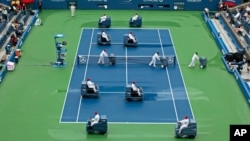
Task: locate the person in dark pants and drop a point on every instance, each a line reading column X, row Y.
column 40, row 5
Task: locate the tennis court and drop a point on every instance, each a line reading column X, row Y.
column 163, row 88
column 32, row 97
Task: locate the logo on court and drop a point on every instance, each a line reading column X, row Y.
column 170, row 60
column 82, row 59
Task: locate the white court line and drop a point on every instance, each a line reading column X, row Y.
column 126, row 55
column 129, row 28
column 123, row 92
column 143, row 92
column 70, row 77
column 84, row 77
column 109, row 122
column 126, row 72
column 182, row 77
column 94, row 43
column 169, row 82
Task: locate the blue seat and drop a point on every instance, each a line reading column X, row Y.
column 127, row 42
column 2, row 26
column 25, row 19
column 188, row 132
column 1, row 42
column 99, row 128
column 131, row 95
column 10, row 15
column 102, row 41
column 20, row 27
column 247, row 38
column 9, row 30
column 18, row 16
column 105, row 24
column 136, row 23
column 88, row 92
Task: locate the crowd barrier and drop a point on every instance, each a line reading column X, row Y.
column 244, row 86
column 11, row 58
column 216, row 34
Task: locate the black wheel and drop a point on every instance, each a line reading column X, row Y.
column 103, row 133
column 128, row 99
column 191, row 137
column 177, row 136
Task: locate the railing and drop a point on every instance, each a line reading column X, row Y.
column 11, row 57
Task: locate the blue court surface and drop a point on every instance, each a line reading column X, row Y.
column 165, row 95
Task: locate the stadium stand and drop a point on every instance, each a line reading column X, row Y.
column 7, row 50
column 234, row 45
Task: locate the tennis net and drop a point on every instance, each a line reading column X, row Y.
column 112, row 60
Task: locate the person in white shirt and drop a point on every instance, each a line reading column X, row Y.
column 95, row 119
column 135, row 17
column 105, row 35
column 131, row 37
column 101, row 57
column 194, row 59
column 91, row 84
column 103, row 18
column 248, row 8
column 72, row 9
column 207, row 12
column 237, row 15
column 4, row 14
column 155, row 57
column 135, row 88
column 183, row 123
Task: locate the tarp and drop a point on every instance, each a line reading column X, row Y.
column 28, row 1
column 230, row 3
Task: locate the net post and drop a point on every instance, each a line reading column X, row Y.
column 78, row 60
column 174, row 60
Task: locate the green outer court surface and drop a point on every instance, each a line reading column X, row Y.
column 32, row 96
